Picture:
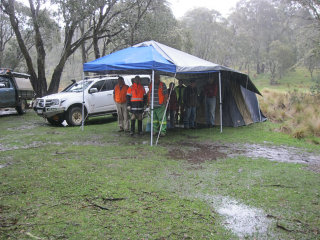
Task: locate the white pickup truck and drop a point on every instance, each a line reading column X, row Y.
column 67, row 105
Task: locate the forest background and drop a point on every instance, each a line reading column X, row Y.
column 276, row 42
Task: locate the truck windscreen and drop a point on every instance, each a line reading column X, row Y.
column 78, row 87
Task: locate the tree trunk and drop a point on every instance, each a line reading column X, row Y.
column 9, row 8
column 41, row 53
column 68, row 51
column 262, row 68
column 83, row 46
column 258, row 68
column 95, row 42
column 273, row 73
column 95, row 39
column 240, row 67
column 56, row 77
column 1, row 57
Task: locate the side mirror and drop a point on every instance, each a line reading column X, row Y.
column 93, row 90
column 2, row 85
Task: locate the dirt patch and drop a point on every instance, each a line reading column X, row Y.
column 196, row 152
column 314, row 168
column 208, row 151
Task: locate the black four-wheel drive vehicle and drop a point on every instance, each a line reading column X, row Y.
column 15, row 90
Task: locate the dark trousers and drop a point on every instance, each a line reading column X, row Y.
column 133, row 125
column 172, row 114
column 190, row 117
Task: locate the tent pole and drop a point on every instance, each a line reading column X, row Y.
column 259, row 109
column 82, row 124
column 152, row 100
column 164, row 115
column 220, row 101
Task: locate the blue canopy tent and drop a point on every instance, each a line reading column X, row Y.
column 152, row 57
column 131, row 59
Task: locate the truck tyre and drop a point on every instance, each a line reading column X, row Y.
column 21, row 109
column 55, row 121
column 74, row 116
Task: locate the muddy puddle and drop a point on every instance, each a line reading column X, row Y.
column 4, row 165
column 242, row 220
column 24, row 127
column 200, row 152
column 35, row 144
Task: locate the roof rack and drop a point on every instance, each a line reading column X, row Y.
column 5, row 71
column 8, row 71
column 22, row 75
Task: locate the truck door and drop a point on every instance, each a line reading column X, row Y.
column 7, row 93
column 102, row 100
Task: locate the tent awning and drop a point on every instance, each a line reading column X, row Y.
column 133, row 58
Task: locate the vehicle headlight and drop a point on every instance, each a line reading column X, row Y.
column 54, row 102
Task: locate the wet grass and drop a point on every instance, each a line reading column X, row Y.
column 298, row 78
column 263, row 133
column 64, row 183
column 286, row 192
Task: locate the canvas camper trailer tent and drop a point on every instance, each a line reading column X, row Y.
column 240, row 106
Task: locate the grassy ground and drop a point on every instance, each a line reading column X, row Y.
column 298, row 78
column 64, row 183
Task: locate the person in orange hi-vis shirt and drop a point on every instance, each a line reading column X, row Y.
column 159, row 105
column 136, row 100
column 120, row 98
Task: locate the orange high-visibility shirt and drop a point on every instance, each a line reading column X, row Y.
column 136, row 91
column 160, row 93
column 120, row 95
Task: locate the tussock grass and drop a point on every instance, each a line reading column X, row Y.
column 298, row 112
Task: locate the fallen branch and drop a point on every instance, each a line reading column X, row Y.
column 28, row 224
column 284, row 228
column 96, row 205
column 113, row 199
column 271, row 216
column 277, row 185
column 32, row 236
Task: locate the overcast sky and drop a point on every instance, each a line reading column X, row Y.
column 180, row 7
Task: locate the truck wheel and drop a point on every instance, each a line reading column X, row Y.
column 74, row 116
column 56, row 121
column 21, row 109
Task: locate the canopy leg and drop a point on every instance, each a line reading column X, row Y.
column 152, row 100
column 220, row 102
